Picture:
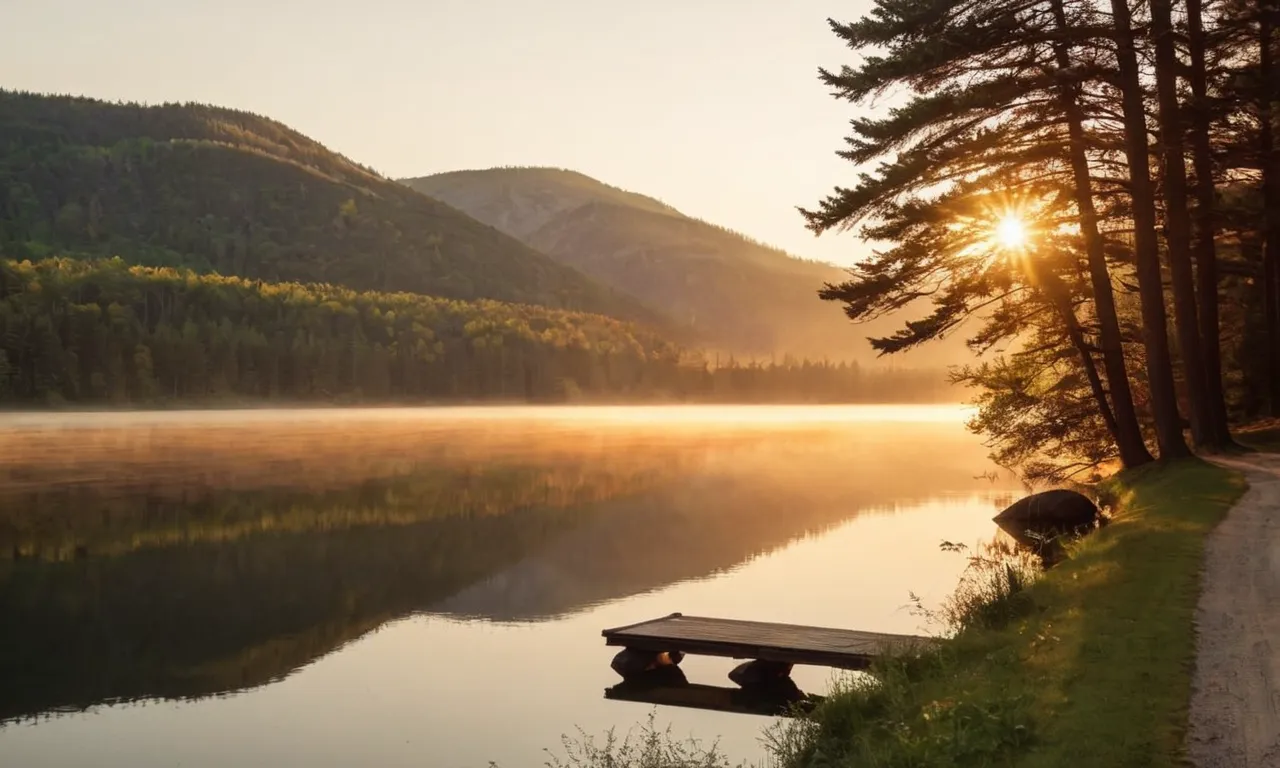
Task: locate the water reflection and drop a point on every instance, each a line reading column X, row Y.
column 668, row 686
column 178, row 558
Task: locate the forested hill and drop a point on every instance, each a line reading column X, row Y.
column 219, row 190
column 739, row 295
column 81, row 331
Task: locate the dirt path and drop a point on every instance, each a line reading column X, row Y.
column 1235, row 702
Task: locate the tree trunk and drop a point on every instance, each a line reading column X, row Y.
column 1060, row 298
column 1206, row 256
column 1128, row 434
column 1271, row 205
column 1177, row 228
column 1164, row 401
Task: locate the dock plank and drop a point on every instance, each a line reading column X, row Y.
column 784, row 643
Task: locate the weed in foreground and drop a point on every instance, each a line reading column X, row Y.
column 650, row 747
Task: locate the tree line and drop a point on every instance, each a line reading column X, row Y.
column 1135, row 143
column 102, row 331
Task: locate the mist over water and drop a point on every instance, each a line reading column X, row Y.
column 427, row 586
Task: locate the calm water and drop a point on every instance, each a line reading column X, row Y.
column 427, row 587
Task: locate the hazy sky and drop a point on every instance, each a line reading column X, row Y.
column 711, row 105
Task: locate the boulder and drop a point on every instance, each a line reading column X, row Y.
column 1057, row 510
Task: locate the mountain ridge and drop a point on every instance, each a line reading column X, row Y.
column 458, row 184
column 740, row 296
column 223, row 190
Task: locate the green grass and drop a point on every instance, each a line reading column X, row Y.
column 1094, row 669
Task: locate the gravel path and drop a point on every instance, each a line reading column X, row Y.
column 1235, row 702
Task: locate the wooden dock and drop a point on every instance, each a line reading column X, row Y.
column 778, row 646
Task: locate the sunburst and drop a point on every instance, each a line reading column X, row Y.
column 1011, row 232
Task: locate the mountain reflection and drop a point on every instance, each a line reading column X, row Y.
column 184, row 562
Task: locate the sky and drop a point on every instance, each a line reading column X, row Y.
column 712, row 106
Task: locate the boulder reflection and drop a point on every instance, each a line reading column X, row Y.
column 669, row 686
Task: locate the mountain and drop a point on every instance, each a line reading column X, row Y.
column 219, row 190
column 739, row 295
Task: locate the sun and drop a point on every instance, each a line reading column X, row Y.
column 1011, row 232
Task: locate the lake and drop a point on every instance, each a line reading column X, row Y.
column 427, row 587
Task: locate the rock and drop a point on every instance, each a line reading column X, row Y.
column 1057, row 510
column 630, row 662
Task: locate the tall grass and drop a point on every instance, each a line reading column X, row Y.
column 992, row 590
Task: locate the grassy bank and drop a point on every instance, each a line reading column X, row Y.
column 1093, row 667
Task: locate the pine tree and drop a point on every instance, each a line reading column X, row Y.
column 1018, row 127
column 1177, row 225
column 1204, row 246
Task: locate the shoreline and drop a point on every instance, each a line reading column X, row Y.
column 1093, row 668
